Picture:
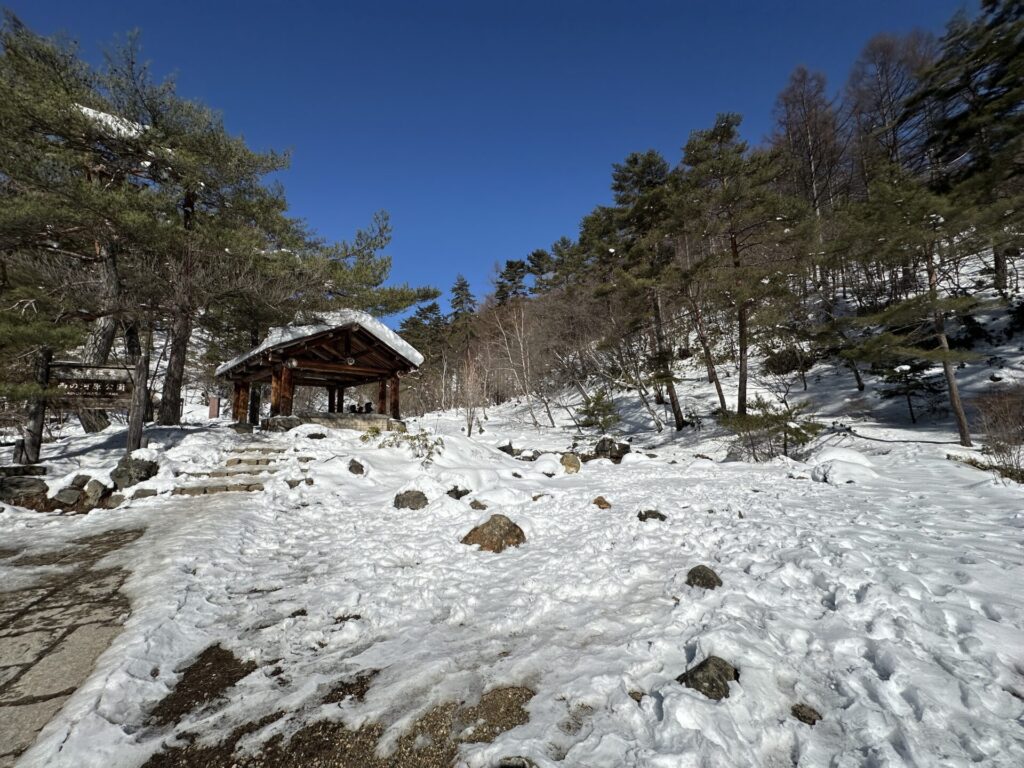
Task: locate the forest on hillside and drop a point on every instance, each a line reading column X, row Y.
column 868, row 231
column 136, row 231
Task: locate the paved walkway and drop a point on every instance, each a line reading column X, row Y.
column 52, row 633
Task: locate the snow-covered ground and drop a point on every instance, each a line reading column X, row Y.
column 891, row 604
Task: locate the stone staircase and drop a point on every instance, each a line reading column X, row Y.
column 246, row 471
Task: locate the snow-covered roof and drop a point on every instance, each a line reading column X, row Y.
column 328, row 321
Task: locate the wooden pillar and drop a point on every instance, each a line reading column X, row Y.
column 275, row 392
column 287, row 391
column 382, row 396
column 341, row 400
column 214, row 411
column 332, row 399
column 240, row 402
column 255, row 395
column 395, row 409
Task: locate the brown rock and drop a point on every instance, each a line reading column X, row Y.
column 496, row 534
column 571, row 463
column 650, row 514
column 702, row 576
column 411, row 500
column 805, row 714
column 477, row 504
column 711, row 677
column 355, row 467
column 602, row 503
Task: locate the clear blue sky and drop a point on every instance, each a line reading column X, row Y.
column 486, row 129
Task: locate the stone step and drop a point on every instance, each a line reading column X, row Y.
column 255, row 449
column 240, row 472
column 206, row 490
column 258, row 461
column 233, row 487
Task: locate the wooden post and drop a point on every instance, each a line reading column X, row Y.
column 287, row 391
column 240, row 402
column 395, row 409
column 275, row 392
column 340, row 401
column 27, row 449
column 332, row 402
column 382, row 396
column 255, row 394
column 214, row 412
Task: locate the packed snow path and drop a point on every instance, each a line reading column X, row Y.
column 890, row 604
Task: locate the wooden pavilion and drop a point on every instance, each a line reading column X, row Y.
column 333, row 350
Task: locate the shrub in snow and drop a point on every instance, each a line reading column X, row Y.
column 768, row 430
column 599, row 412
column 711, row 677
column 497, row 534
column 1002, row 419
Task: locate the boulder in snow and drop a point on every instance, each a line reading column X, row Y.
column 608, row 448
column 477, row 504
column 24, row 491
column 131, row 471
column 602, row 503
column 355, row 467
column 703, row 577
column 571, row 463
column 457, row 493
column 839, row 472
column 805, row 714
column 411, row 500
column 495, row 535
column 711, row 677
column 650, row 514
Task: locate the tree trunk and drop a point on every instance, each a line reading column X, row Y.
column 26, row 451
column 742, row 333
column 709, row 360
column 665, row 364
column 101, row 338
column 947, row 366
column 170, row 397
column 140, row 398
column 999, row 264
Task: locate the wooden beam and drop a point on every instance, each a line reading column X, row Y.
column 240, row 402
column 305, row 364
column 382, row 396
column 395, row 408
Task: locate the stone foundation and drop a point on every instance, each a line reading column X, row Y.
column 358, row 421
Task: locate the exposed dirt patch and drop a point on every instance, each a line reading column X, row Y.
column 432, row 742
column 355, row 688
column 203, row 681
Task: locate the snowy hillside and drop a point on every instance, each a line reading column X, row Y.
column 876, row 583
